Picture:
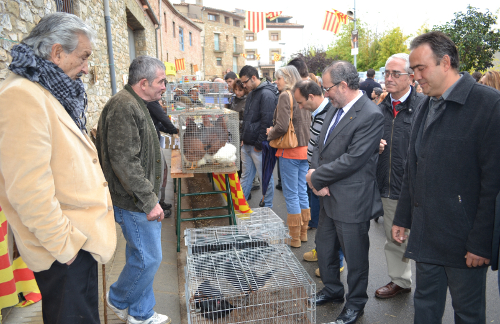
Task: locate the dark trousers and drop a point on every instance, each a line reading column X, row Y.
column 467, row 290
column 69, row 293
column 355, row 243
column 314, row 205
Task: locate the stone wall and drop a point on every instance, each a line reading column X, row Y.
column 18, row 17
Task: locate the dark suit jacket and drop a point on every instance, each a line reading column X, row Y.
column 368, row 86
column 449, row 187
column 347, row 163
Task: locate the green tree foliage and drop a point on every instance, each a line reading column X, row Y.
column 392, row 42
column 374, row 49
column 315, row 59
column 475, row 38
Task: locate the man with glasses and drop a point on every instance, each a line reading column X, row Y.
column 398, row 109
column 342, row 172
column 370, row 83
column 257, row 117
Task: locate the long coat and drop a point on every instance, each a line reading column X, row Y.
column 449, row 187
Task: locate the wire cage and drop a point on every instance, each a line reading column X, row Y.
column 224, row 238
column 253, row 285
column 264, row 215
column 185, row 96
column 210, row 141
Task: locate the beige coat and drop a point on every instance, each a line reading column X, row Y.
column 52, row 188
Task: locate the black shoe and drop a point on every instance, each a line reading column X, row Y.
column 376, row 219
column 321, row 299
column 249, row 197
column 164, row 206
column 255, row 188
column 167, row 213
column 278, row 186
column 349, row 316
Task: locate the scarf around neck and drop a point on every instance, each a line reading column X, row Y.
column 70, row 93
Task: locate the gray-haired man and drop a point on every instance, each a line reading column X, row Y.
column 129, row 151
column 398, row 109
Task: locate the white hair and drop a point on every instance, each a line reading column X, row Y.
column 401, row 56
column 57, row 28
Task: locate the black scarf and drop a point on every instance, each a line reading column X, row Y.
column 70, row 93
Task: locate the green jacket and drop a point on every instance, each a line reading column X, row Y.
column 129, row 152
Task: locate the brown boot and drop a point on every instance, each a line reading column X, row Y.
column 306, row 217
column 294, row 222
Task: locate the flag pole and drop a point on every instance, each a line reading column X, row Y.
column 354, row 11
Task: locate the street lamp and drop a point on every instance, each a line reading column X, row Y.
column 353, row 15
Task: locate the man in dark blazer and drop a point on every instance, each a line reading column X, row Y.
column 370, row 83
column 450, row 184
column 343, row 173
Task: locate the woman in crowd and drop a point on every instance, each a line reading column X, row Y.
column 376, row 95
column 491, row 79
column 237, row 103
column 293, row 161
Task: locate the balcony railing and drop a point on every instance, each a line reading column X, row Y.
column 220, row 47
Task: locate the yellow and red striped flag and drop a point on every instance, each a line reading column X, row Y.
column 257, row 56
column 180, row 64
column 243, row 55
column 14, row 278
column 255, row 21
column 239, row 202
column 342, row 17
column 273, row 15
column 331, row 22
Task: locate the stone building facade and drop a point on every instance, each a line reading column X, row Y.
column 131, row 26
column 222, row 37
column 180, row 38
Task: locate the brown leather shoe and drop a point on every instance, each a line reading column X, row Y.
column 390, row 290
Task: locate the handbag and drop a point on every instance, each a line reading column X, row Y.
column 289, row 139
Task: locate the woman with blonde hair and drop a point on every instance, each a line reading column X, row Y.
column 491, row 79
column 293, row 161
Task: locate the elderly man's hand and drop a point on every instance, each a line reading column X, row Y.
column 475, row 260
column 398, row 234
column 323, row 192
column 382, row 145
column 308, row 178
column 156, row 214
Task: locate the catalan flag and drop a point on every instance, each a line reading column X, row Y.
column 255, row 21
column 239, row 202
column 180, row 64
column 16, row 277
column 273, row 15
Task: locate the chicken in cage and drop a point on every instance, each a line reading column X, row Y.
column 209, row 141
column 223, row 238
column 253, row 285
column 193, row 95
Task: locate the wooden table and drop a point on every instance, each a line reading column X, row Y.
column 176, row 173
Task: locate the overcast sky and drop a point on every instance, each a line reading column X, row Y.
column 379, row 15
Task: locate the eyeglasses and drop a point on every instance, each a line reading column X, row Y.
column 328, row 89
column 395, row 74
column 245, row 82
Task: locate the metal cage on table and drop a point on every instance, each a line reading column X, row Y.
column 224, row 238
column 210, row 141
column 253, row 285
column 264, row 215
column 185, row 96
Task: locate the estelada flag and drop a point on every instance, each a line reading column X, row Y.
column 342, row 17
column 255, row 21
column 273, row 15
column 14, row 278
column 239, row 202
column 180, row 64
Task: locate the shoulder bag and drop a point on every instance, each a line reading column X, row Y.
column 289, row 139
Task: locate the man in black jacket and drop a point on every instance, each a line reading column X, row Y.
column 368, row 85
column 257, row 117
column 450, row 183
column 398, row 109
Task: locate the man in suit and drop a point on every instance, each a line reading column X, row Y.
column 450, row 184
column 343, row 173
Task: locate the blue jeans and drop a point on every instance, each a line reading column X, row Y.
column 293, row 181
column 314, row 205
column 252, row 163
column 134, row 287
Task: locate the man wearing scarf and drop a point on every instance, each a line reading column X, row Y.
column 52, row 188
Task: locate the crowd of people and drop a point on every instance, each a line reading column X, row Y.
column 426, row 161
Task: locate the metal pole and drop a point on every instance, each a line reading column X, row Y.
column 355, row 65
column 109, row 40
